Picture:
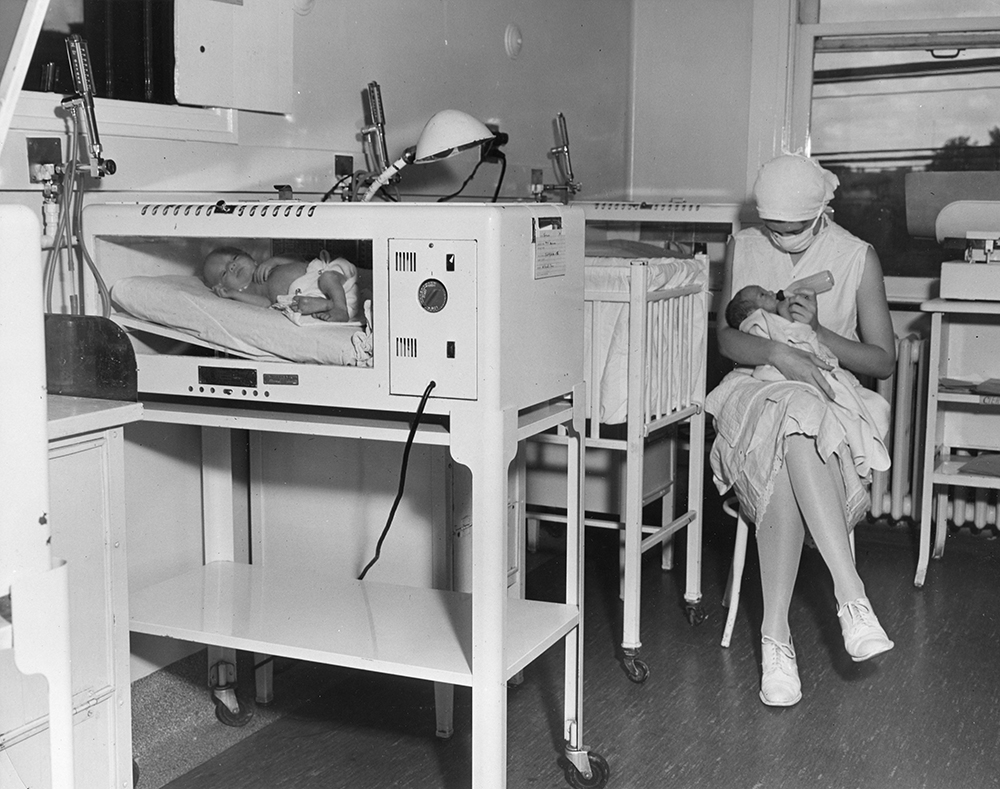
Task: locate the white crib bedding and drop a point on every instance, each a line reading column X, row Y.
column 610, row 332
column 184, row 304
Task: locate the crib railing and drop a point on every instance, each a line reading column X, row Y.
column 670, row 390
column 671, row 314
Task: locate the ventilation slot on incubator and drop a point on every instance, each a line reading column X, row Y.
column 406, row 261
column 406, row 347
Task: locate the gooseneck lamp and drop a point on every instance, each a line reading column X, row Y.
column 447, row 133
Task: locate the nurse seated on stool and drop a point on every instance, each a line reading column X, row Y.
column 790, row 464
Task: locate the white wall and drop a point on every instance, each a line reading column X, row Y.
column 691, row 99
column 426, row 55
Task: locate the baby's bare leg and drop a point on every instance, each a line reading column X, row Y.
column 333, row 308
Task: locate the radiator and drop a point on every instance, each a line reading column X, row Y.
column 974, row 508
column 896, row 493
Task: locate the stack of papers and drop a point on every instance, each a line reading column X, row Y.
column 983, row 466
column 991, row 386
column 955, row 385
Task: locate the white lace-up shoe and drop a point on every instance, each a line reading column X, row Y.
column 779, row 682
column 864, row 637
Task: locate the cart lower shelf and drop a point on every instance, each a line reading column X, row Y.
column 401, row 630
column 948, row 471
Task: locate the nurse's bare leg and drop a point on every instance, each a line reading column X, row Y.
column 780, row 534
column 819, row 491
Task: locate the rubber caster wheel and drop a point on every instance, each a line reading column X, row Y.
column 695, row 613
column 636, row 670
column 236, row 719
column 599, row 773
column 135, row 774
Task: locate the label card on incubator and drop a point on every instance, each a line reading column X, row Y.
column 550, row 247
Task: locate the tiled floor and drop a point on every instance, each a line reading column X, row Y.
column 922, row 716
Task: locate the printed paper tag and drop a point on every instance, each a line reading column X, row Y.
column 550, row 247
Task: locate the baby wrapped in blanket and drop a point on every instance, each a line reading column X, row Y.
column 862, row 416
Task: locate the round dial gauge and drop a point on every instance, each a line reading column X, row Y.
column 432, row 295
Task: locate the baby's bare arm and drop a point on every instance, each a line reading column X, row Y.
column 241, row 295
column 250, row 298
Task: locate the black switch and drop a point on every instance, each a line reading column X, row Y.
column 449, row 262
column 450, row 349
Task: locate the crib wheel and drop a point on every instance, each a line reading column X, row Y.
column 695, row 613
column 599, row 773
column 231, row 709
column 636, row 670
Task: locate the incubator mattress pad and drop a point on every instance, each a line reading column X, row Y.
column 184, row 304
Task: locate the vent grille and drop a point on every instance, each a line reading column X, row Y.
column 406, row 261
column 235, row 209
column 406, row 347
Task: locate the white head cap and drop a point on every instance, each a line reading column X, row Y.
column 793, row 188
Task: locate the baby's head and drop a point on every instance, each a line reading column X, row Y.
column 748, row 299
column 228, row 266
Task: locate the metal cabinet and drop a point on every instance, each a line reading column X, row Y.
column 86, row 508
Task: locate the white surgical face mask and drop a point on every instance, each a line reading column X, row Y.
column 799, row 242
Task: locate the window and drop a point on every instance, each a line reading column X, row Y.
column 149, row 53
column 131, row 45
column 892, row 98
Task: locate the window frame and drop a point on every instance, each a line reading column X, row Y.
column 208, row 41
column 902, row 290
column 781, row 87
column 806, row 35
column 37, row 112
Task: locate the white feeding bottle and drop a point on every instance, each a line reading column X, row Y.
column 817, row 283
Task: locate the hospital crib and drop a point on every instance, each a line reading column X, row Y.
column 645, row 345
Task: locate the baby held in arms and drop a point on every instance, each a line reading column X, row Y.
column 754, row 310
column 323, row 288
column 862, row 415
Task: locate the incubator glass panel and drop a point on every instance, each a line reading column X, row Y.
column 877, row 115
column 158, row 281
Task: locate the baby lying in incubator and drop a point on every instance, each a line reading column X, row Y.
column 862, row 413
column 323, row 288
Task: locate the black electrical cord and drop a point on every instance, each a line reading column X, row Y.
column 503, row 171
column 414, row 423
column 334, row 188
column 465, row 183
